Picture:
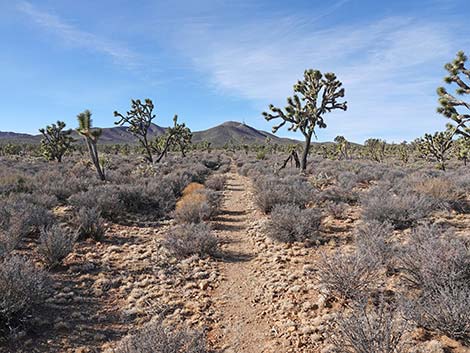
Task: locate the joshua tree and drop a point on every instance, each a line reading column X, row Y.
column 181, row 135
column 293, row 156
column 314, row 96
column 178, row 136
column 463, row 149
column 342, row 146
column 139, row 119
column 56, row 141
column 404, row 152
column 436, row 145
column 375, row 149
column 452, row 107
column 91, row 137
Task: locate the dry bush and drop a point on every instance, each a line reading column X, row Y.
column 290, row 223
column 272, row 191
column 445, row 309
column 444, row 192
column 197, row 204
column 402, row 208
column 337, row 210
column 104, row 198
column 23, row 287
column 90, row 224
column 373, row 239
column 347, row 276
column 338, row 194
column 191, row 239
column 155, row 338
column 371, row 329
column 216, row 182
column 433, row 257
column 55, row 243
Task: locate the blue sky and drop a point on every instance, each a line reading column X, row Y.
column 211, row 61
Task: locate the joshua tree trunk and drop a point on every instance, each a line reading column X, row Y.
column 303, row 162
column 94, row 158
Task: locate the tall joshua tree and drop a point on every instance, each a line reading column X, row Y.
column 452, row 107
column 91, row 137
column 313, row 97
column 139, row 119
column 56, row 141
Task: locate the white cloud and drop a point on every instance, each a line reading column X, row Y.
column 74, row 36
column 390, row 68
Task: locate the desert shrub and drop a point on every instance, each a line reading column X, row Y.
column 155, row 338
column 433, row 257
column 290, row 223
column 90, row 224
column 191, row 239
column 445, row 193
column 347, row 276
column 338, row 194
column 13, row 182
column 152, row 197
column 197, row 204
column 55, row 243
column 178, row 181
column 401, row 209
column 373, row 239
column 371, row 329
column 271, row 191
column 23, row 287
column 347, row 180
column 337, row 210
column 104, row 198
column 445, row 309
column 216, row 182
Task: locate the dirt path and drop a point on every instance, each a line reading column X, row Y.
column 241, row 328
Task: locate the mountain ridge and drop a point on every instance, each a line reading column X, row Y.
column 227, row 132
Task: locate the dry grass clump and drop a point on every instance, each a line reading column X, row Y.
column 155, row 338
column 191, row 239
column 445, row 193
column 55, row 243
column 291, row 223
column 197, row 204
column 90, row 223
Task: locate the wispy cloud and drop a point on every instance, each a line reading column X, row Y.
column 73, row 35
column 390, row 67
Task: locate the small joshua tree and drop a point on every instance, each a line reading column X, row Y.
column 404, row 152
column 139, row 119
column 342, row 146
column 437, row 146
column 463, row 149
column 314, row 96
column 56, row 141
column 91, row 137
column 450, row 106
column 375, row 149
column 178, row 136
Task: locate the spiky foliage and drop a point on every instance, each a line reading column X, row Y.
column 139, row 119
column 342, row 147
column 404, row 152
column 178, row 136
column 462, row 149
column 56, row 141
column 375, row 149
column 436, row 145
column 314, row 96
column 450, row 106
column 91, row 137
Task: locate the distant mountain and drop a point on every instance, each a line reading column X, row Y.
column 237, row 133
column 228, row 132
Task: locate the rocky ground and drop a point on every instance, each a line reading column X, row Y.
column 259, row 296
